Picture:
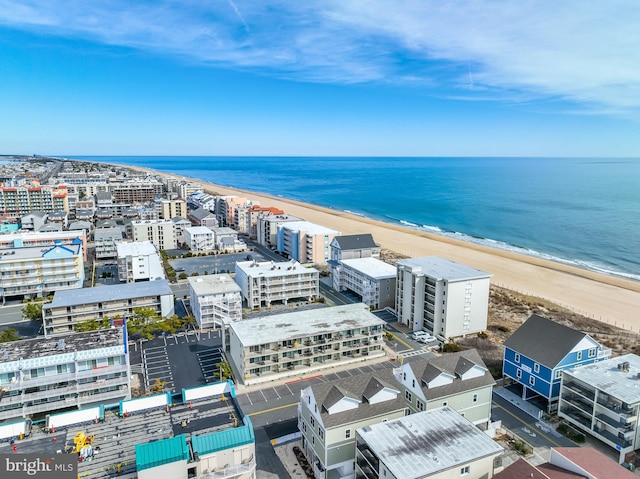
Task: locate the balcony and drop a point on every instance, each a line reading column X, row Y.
column 623, row 428
column 578, row 402
column 610, row 437
column 246, row 468
column 580, row 389
column 616, row 407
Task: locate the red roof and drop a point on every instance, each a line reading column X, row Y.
column 593, row 462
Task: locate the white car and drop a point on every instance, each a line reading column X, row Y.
column 416, row 335
column 427, row 338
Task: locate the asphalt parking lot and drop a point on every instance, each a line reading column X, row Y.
column 212, row 264
column 182, row 361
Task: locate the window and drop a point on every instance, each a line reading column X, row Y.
column 404, row 376
column 532, row 380
column 517, row 358
column 407, row 396
column 321, row 434
column 475, row 398
column 313, row 422
column 347, row 433
column 420, row 405
column 592, row 353
column 413, row 383
column 519, row 373
column 579, row 356
column 536, row 368
column 558, row 374
column 464, row 471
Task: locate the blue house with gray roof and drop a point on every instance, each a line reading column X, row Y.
column 538, row 351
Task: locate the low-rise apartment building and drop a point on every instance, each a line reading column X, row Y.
column 267, row 282
column 9, row 242
column 199, row 239
column 226, row 239
column 39, row 376
column 603, row 400
column 267, row 228
column 371, row 279
column 139, row 261
column 69, row 308
column 106, row 241
column 216, row 300
column 291, row 344
column 305, row 242
column 160, row 232
column 39, row 271
column 446, row 298
column 438, row 444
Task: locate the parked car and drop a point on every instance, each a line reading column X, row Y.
column 427, row 338
column 416, row 335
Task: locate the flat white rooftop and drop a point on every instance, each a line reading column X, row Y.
column 270, row 269
column 213, row 284
column 309, row 228
column 136, row 248
column 441, row 268
column 280, row 327
column 428, row 442
column 372, row 267
column 605, row 376
column 199, row 230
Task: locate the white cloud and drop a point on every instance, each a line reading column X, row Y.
column 585, row 52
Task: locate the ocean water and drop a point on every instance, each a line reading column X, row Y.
column 584, row 212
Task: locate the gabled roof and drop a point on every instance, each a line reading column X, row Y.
column 449, row 365
column 589, row 461
column 374, row 386
column 349, row 242
column 521, row 469
column 355, row 387
column 200, row 214
column 543, row 340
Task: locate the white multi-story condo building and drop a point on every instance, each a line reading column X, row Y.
column 268, row 282
column 39, row 271
column 169, row 209
column 199, row 239
column 434, row 444
column 291, row 344
column 215, row 300
column 18, row 201
column 603, row 400
column 267, row 228
column 445, row 298
column 371, row 279
column 114, row 302
column 254, row 214
column 38, row 376
column 305, row 242
column 139, row 261
column 160, row 232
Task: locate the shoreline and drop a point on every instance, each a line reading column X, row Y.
column 608, row 298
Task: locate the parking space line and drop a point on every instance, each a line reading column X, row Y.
column 277, row 394
column 287, row 386
column 265, row 397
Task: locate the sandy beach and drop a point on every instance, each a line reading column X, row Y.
column 606, row 298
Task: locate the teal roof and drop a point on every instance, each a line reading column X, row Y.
column 157, row 453
column 222, row 440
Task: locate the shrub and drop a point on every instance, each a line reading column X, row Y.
column 183, row 276
column 571, row 433
column 504, row 329
column 483, row 335
column 450, row 348
column 522, row 447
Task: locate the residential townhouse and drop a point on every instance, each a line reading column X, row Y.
column 437, row 444
column 33, row 221
column 114, row 302
column 226, row 239
column 458, row 380
column 371, row 279
column 602, row 399
column 39, row 271
column 216, row 300
column 305, row 242
column 354, row 247
column 160, row 232
column 329, row 414
column 301, row 342
column 265, row 283
column 538, row 351
column 440, row 296
column 203, row 217
column 139, row 261
column 39, row 376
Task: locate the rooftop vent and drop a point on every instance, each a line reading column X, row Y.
column 60, row 344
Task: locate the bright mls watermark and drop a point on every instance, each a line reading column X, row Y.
column 45, row 466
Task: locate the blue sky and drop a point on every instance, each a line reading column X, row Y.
column 343, row 77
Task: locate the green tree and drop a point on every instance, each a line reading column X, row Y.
column 8, row 335
column 32, row 311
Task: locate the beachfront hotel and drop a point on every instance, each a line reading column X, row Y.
column 267, row 282
column 38, row 271
column 603, row 400
column 69, row 308
column 371, row 279
column 293, row 344
column 440, row 296
column 38, row 376
column 305, row 242
column 216, row 300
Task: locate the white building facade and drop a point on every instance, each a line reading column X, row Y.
column 139, row 261
column 305, row 242
column 216, row 300
column 160, row 232
column 371, row 279
column 199, row 239
column 447, row 299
